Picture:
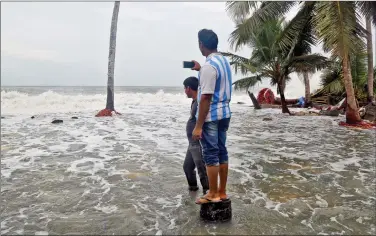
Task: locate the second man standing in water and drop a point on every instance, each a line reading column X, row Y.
column 193, row 158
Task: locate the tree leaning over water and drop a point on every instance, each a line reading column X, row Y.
column 269, row 59
column 336, row 23
column 110, row 106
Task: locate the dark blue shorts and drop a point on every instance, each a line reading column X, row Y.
column 213, row 142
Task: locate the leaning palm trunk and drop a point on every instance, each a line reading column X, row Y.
column 110, row 107
column 352, row 113
column 307, row 88
column 370, row 61
column 285, row 109
column 111, row 58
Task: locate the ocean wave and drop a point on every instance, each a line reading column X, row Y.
column 15, row 102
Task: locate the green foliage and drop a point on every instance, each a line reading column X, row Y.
column 332, row 79
column 336, row 24
column 368, row 9
column 269, row 59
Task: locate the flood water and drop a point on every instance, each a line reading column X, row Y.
column 123, row 174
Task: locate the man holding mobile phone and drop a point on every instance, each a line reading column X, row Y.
column 213, row 115
column 193, row 158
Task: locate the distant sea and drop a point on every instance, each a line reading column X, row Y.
column 30, row 99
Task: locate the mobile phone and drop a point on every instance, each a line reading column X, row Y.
column 188, row 64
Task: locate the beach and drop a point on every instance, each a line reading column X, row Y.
column 124, row 174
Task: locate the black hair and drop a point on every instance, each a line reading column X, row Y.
column 208, row 38
column 191, row 82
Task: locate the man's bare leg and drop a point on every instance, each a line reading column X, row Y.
column 212, row 172
column 223, row 171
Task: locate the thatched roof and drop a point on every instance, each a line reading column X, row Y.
column 322, row 97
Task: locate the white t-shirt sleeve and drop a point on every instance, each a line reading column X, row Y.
column 208, row 78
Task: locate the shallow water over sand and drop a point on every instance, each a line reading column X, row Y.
column 123, row 175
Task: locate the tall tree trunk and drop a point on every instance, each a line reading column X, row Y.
column 370, row 60
column 307, row 89
column 285, row 109
column 352, row 113
column 111, row 58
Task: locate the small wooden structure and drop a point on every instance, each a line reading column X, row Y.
column 216, row 211
column 321, row 97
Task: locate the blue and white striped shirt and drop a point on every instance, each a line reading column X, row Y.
column 215, row 78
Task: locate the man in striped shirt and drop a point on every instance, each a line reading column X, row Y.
column 213, row 115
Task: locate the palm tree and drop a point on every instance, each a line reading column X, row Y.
column 336, row 24
column 110, row 107
column 370, row 61
column 269, row 59
column 307, row 90
column 332, row 81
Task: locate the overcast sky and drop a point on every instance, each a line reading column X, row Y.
column 66, row 43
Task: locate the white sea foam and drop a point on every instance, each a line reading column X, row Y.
column 16, row 103
column 142, row 151
column 41, row 233
column 106, row 209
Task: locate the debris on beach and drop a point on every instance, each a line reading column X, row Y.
column 256, row 104
column 370, row 112
column 106, row 112
column 329, row 112
column 360, row 125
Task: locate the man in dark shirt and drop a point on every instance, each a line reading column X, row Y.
column 193, row 158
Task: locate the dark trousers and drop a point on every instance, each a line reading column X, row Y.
column 193, row 159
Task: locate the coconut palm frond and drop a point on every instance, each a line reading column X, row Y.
column 244, row 69
column 234, row 57
column 242, row 64
column 268, row 11
column 238, row 10
column 331, row 79
column 368, row 9
column 331, row 73
column 359, row 68
column 273, row 81
column 246, row 83
column 336, row 24
column 247, row 26
column 240, row 36
column 308, row 63
column 299, row 29
column 334, row 87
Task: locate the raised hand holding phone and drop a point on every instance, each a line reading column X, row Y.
column 193, row 65
column 188, row 64
column 197, row 66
